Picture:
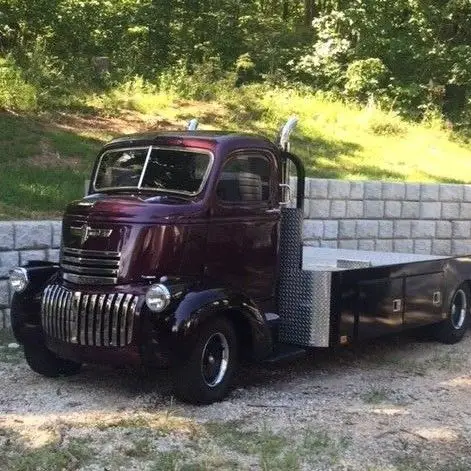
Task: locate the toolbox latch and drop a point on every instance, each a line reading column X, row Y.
column 397, row 305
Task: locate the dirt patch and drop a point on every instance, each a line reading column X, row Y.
column 50, row 158
column 397, row 404
column 127, row 122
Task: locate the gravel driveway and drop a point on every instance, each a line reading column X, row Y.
column 396, row 404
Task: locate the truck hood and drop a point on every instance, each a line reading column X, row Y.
column 150, row 237
column 163, row 208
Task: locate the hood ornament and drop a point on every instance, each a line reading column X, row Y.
column 85, row 232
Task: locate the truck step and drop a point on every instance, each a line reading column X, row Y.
column 284, row 351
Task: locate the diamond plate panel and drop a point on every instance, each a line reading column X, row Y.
column 351, row 264
column 304, row 296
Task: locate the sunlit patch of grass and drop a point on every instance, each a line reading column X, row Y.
column 162, row 423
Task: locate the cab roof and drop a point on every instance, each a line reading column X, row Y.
column 215, row 137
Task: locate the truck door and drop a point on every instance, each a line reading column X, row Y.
column 244, row 226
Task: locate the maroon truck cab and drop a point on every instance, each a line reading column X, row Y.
column 170, row 260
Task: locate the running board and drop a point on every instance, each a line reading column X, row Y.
column 284, row 352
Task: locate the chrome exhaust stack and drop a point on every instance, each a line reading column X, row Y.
column 285, row 133
column 193, row 125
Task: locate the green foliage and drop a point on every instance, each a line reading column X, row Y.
column 401, row 52
column 365, row 77
column 15, row 92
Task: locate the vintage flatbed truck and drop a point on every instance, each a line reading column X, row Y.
column 184, row 254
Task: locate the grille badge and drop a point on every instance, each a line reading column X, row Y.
column 85, row 232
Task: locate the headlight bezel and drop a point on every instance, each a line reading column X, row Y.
column 18, row 275
column 162, row 297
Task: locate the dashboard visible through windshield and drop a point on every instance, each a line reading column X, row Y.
column 166, row 169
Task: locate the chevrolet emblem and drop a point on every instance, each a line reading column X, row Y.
column 85, row 232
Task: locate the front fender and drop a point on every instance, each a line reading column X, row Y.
column 197, row 305
column 26, row 306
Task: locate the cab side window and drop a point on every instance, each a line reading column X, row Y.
column 245, row 178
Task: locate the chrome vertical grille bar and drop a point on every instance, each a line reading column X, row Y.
column 123, row 320
column 115, row 318
column 59, row 315
column 99, row 324
column 49, row 308
column 56, row 319
column 83, row 319
column 44, row 303
column 52, row 316
column 48, row 324
column 68, row 306
column 74, row 312
column 91, row 319
column 62, row 314
column 107, row 320
column 130, row 319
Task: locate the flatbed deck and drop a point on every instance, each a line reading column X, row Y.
column 325, row 259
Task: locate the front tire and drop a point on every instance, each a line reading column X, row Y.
column 206, row 375
column 46, row 363
column 453, row 328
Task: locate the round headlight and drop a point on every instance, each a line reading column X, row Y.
column 158, row 298
column 18, row 279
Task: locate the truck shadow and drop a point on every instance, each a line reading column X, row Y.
column 400, row 353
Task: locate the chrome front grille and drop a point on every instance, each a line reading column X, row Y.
column 100, row 320
column 91, row 267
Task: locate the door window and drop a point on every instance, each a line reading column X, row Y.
column 245, row 178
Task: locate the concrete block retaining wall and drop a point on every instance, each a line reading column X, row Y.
column 21, row 241
column 387, row 216
column 382, row 216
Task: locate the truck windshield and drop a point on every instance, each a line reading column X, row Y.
column 166, row 169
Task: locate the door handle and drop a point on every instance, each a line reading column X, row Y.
column 273, row 211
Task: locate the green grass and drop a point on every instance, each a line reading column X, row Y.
column 45, row 158
column 9, row 355
column 51, row 457
column 289, row 450
column 43, row 167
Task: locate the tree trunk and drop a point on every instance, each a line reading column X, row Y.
column 309, row 12
column 285, row 13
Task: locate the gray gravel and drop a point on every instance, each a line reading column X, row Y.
column 395, row 404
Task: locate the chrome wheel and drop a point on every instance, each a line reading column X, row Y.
column 215, row 360
column 459, row 306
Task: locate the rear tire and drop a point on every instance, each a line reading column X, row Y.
column 206, row 375
column 46, row 363
column 453, row 328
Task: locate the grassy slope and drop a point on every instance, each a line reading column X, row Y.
column 45, row 159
